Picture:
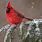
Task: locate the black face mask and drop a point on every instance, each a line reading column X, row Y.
column 8, row 10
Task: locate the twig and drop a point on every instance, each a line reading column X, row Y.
column 5, row 27
column 8, row 31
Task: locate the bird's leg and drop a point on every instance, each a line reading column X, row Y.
column 5, row 27
column 8, row 33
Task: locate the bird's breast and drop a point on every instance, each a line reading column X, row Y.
column 14, row 19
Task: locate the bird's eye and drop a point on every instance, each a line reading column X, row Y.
column 8, row 10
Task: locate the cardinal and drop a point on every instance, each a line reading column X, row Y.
column 14, row 17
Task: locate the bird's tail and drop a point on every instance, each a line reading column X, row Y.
column 28, row 19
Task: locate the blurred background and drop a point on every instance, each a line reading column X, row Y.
column 29, row 8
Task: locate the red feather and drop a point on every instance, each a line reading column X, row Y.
column 13, row 16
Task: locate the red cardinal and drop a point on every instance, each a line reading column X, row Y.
column 13, row 16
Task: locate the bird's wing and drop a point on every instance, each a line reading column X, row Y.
column 18, row 14
column 22, row 16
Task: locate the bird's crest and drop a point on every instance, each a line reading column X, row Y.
column 9, row 5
